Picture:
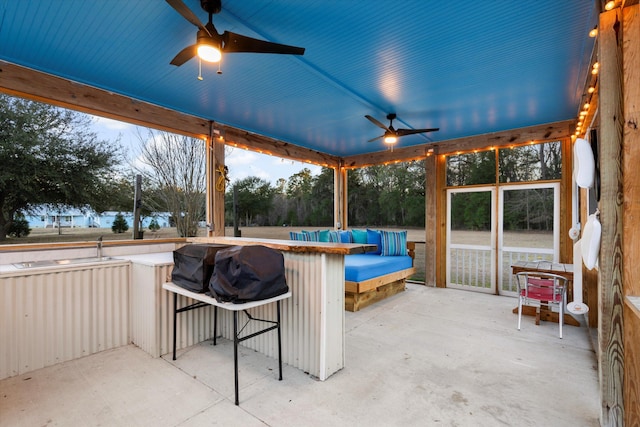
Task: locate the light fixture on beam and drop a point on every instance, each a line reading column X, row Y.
column 593, row 32
column 610, row 5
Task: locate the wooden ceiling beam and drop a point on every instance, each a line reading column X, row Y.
column 545, row 132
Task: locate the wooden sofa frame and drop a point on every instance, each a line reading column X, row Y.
column 362, row 294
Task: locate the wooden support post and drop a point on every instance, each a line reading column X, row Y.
column 430, row 219
column 216, row 183
column 631, row 210
column 610, row 318
column 340, row 205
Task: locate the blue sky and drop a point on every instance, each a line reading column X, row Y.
column 241, row 163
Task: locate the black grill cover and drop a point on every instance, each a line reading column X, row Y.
column 248, row 273
column 193, row 266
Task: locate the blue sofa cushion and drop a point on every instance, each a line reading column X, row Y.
column 323, row 236
column 394, row 243
column 297, row 236
column 345, row 236
column 312, row 236
column 359, row 236
column 374, row 238
column 361, row 267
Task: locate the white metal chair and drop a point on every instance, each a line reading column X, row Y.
column 542, row 289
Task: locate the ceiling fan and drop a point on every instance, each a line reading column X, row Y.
column 210, row 45
column 391, row 134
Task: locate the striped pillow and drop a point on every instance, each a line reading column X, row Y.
column 297, row 236
column 312, row 236
column 334, row 237
column 394, row 243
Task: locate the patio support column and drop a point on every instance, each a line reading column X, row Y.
column 430, row 219
column 610, row 317
column 340, row 205
column 216, row 182
column 631, row 211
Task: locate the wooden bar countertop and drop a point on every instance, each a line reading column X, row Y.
column 291, row 245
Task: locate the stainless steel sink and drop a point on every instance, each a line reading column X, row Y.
column 57, row 262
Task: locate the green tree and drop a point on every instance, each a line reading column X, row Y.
column 49, row 157
column 321, row 199
column 119, row 224
column 299, row 193
column 255, row 199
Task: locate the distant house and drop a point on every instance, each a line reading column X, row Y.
column 86, row 218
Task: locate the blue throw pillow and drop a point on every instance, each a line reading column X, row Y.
column 374, row 238
column 394, row 243
column 359, row 236
column 345, row 236
column 312, row 236
column 334, row 237
column 323, row 236
column 297, row 236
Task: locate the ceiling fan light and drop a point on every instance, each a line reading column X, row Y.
column 390, row 139
column 208, row 52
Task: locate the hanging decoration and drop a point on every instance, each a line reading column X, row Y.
column 223, row 178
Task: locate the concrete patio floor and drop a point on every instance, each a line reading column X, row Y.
column 425, row 357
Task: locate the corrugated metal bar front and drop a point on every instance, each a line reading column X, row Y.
column 51, row 316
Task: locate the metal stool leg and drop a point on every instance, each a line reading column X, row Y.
column 215, row 324
column 235, row 352
column 279, row 342
column 175, row 327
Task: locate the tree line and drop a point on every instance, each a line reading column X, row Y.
column 391, row 195
column 51, row 158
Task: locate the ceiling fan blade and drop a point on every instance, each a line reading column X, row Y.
column 377, row 123
column 238, row 43
column 402, row 132
column 185, row 54
column 376, row 138
column 187, row 14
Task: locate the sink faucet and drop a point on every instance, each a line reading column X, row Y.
column 99, row 247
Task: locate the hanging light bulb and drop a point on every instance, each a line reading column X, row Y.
column 209, row 53
column 208, row 48
column 390, row 138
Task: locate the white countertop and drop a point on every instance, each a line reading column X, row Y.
column 152, row 259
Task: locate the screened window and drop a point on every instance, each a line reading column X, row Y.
column 526, row 163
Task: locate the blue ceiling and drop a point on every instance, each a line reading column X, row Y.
column 467, row 67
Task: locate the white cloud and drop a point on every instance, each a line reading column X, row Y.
column 113, row 125
column 241, row 163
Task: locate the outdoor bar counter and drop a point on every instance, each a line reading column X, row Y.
column 313, row 318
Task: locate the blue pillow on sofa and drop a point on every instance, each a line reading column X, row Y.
column 394, row 243
column 345, row 236
column 323, row 236
column 312, row 236
column 297, row 236
column 359, row 236
column 374, row 238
